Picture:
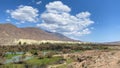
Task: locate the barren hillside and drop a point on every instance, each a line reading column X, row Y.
column 9, row 33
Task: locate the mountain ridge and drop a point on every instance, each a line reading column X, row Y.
column 9, row 32
column 113, row 43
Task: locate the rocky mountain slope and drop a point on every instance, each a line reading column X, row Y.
column 9, row 33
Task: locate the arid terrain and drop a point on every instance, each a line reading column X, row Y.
column 96, row 59
column 60, row 55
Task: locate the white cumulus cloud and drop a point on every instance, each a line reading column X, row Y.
column 57, row 6
column 57, row 18
column 24, row 14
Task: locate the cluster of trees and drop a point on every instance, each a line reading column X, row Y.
column 48, row 46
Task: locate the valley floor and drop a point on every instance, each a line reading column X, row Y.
column 60, row 56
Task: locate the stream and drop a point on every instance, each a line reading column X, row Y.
column 17, row 58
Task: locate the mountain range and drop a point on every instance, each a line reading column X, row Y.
column 113, row 43
column 9, row 33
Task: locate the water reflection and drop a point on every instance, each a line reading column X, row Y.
column 17, row 58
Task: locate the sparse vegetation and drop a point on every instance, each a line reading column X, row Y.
column 43, row 54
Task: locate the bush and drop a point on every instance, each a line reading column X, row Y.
column 34, row 52
column 49, row 55
column 66, row 50
column 40, row 55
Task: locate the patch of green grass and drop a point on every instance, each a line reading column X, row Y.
column 9, row 56
column 63, row 66
column 43, row 61
column 12, row 66
column 69, row 61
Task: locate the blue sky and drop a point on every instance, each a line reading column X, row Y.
column 103, row 23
